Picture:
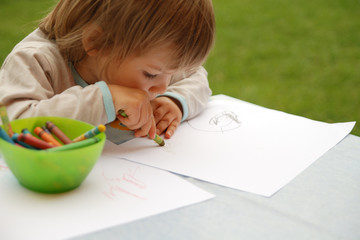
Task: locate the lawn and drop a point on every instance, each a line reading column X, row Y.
column 300, row 57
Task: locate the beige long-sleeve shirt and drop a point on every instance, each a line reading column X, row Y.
column 35, row 80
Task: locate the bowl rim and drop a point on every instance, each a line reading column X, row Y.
column 101, row 136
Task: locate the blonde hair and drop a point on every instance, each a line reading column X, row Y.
column 134, row 27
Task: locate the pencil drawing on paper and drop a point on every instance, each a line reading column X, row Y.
column 220, row 122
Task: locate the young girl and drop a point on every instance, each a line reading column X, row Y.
column 91, row 58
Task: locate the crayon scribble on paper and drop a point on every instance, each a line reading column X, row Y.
column 3, row 166
column 126, row 183
column 4, row 171
column 221, row 122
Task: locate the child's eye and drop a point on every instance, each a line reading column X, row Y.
column 148, row 75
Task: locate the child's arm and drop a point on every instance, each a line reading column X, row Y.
column 31, row 86
column 187, row 96
column 37, row 82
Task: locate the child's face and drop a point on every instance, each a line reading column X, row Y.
column 147, row 72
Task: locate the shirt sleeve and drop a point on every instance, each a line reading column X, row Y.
column 191, row 90
column 38, row 84
column 108, row 102
column 181, row 100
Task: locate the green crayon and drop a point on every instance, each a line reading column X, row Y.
column 122, row 113
column 157, row 138
column 5, row 136
column 5, row 120
column 75, row 145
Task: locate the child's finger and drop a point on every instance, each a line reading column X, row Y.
column 138, row 116
column 152, row 131
column 168, row 125
column 159, row 114
column 162, row 125
column 132, row 121
column 148, row 128
column 171, row 129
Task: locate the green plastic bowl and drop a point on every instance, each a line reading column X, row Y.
column 51, row 172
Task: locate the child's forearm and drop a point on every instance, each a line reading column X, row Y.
column 84, row 104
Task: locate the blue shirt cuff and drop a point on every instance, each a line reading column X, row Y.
column 108, row 102
column 181, row 100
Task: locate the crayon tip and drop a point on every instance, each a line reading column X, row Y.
column 159, row 140
column 122, row 113
column 101, row 128
column 162, row 143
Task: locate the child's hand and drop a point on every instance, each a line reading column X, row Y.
column 168, row 114
column 136, row 104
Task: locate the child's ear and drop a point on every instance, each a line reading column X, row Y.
column 89, row 39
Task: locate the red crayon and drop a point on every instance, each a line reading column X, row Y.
column 46, row 137
column 33, row 141
column 57, row 132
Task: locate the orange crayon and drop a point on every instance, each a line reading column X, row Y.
column 33, row 141
column 46, row 136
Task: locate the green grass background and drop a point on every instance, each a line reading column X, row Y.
column 300, row 57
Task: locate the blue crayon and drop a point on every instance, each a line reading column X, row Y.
column 25, row 131
column 5, row 136
column 91, row 133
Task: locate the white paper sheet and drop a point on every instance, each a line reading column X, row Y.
column 116, row 191
column 240, row 145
